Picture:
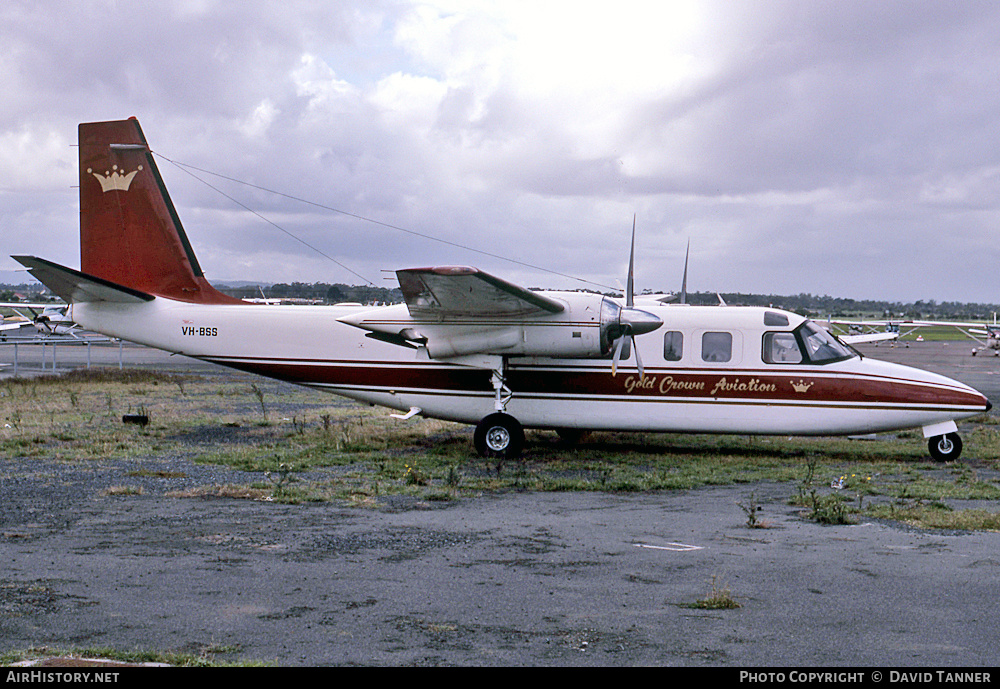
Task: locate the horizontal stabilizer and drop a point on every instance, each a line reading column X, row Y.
column 468, row 293
column 76, row 287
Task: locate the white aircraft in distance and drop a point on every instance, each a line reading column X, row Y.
column 875, row 330
column 990, row 332
column 856, row 336
column 48, row 319
column 470, row 347
column 974, row 331
column 986, row 334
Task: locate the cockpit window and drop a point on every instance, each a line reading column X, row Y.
column 822, row 347
column 781, row 348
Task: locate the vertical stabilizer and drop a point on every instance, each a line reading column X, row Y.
column 129, row 230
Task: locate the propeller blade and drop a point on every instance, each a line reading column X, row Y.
column 617, row 356
column 638, row 360
column 629, row 295
column 632, row 321
column 684, row 281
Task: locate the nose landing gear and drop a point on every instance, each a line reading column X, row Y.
column 945, row 448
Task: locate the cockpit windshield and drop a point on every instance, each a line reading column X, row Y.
column 821, row 346
column 809, row 343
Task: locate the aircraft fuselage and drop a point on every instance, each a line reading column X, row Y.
column 686, row 387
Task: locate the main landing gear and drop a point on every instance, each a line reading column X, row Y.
column 499, row 434
column 945, row 448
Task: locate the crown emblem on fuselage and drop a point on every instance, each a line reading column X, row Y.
column 114, row 180
column 801, row 386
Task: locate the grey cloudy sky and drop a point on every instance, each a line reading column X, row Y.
column 845, row 147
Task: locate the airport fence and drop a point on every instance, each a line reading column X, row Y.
column 25, row 356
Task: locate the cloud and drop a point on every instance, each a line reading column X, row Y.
column 844, row 148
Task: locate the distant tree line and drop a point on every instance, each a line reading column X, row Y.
column 318, row 291
column 836, row 307
column 806, row 304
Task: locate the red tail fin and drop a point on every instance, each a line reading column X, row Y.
column 129, row 230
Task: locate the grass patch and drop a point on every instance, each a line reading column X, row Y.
column 208, row 656
column 938, row 516
column 122, row 490
column 719, row 598
column 298, row 445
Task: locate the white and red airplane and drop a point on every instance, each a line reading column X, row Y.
column 470, row 347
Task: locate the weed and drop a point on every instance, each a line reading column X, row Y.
column 751, row 507
column 719, row 598
column 281, row 477
column 413, row 477
column 828, row 509
column 259, row 394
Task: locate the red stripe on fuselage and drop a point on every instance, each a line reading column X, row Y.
column 791, row 386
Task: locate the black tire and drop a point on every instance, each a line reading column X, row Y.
column 945, row 448
column 499, row 435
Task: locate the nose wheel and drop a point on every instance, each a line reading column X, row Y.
column 945, row 448
column 499, row 435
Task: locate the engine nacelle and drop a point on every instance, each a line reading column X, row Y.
column 586, row 329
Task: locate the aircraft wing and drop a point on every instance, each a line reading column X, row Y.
column 30, row 305
column 74, row 286
column 453, row 292
column 870, row 337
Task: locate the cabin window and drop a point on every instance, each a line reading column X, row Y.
column 673, row 345
column 781, row 348
column 717, row 347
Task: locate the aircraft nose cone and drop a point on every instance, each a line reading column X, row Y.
column 639, row 321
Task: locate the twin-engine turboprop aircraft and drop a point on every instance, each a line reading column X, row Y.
column 470, row 347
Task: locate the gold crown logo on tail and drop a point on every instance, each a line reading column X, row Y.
column 112, row 181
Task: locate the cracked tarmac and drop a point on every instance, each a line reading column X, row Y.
column 515, row 579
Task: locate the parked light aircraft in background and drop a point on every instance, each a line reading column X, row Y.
column 872, row 331
column 470, row 347
column 990, row 332
column 857, row 336
column 48, row 319
column 986, row 334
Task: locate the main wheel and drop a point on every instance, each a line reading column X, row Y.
column 499, row 435
column 945, row 448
